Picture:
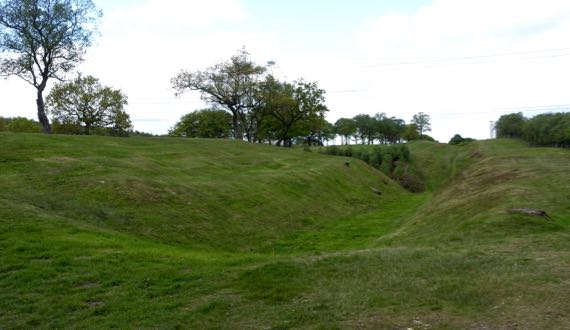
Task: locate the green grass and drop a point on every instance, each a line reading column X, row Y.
column 172, row 233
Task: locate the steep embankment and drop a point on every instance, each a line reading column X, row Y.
column 478, row 186
column 196, row 193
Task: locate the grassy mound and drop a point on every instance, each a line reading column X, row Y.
column 200, row 193
column 172, row 233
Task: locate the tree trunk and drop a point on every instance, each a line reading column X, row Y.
column 42, row 112
column 238, row 135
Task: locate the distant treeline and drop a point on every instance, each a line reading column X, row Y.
column 551, row 129
column 25, row 125
column 362, row 128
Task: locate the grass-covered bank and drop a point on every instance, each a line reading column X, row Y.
column 162, row 233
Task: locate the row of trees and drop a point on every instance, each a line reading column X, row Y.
column 45, row 39
column 551, row 129
column 379, row 128
column 366, row 129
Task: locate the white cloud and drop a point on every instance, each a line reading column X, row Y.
column 462, row 61
column 399, row 64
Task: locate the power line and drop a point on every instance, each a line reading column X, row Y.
column 461, row 58
column 542, row 108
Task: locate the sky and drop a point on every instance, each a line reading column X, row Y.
column 463, row 62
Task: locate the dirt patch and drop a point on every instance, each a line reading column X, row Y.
column 89, row 285
column 531, row 212
column 95, row 303
column 56, row 159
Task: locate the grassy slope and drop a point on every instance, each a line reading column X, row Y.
column 208, row 194
column 165, row 240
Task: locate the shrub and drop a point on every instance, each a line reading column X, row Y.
column 376, row 157
column 365, row 156
column 412, row 183
column 66, row 128
column 24, row 125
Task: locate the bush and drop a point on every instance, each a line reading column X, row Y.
column 459, row 140
column 332, row 150
column 24, row 125
column 66, row 128
column 412, row 183
column 405, row 152
column 2, row 124
column 365, row 156
column 376, row 157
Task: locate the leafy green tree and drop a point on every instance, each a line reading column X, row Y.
column 321, row 131
column 294, row 106
column 422, row 122
column 511, row 125
column 23, row 125
column 346, row 128
column 394, row 128
column 43, row 39
column 84, row 101
column 205, row 123
column 411, row 133
column 551, row 129
column 366, row 128
column 234, row 85
column 2, row 124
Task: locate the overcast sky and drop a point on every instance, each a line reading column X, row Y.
column 463, row 62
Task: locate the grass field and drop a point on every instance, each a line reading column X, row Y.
column 175, row 233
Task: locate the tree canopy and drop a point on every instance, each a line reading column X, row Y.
column 549, row 129
column 262, row 108
column 44, row 39
column 84, row 101
column 205, row 123
column 511, row 125
column 233, row 85
column 422, row 122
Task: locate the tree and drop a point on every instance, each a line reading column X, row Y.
column 233, row 85
column 205, row 123
column 422, row 122
column 411, row 133
column 511, row 125
column 320, row 131
column 366, row 128
column 294, row 106
column 549, row 129
column 394, row 128
column 44, row 39
column 345, row 127
column 86, row 102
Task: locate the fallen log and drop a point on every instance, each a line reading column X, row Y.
column 531, row 212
